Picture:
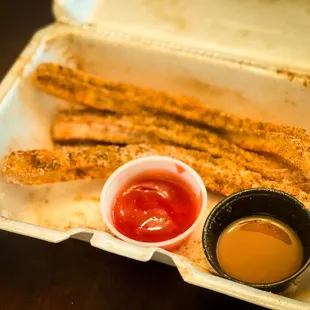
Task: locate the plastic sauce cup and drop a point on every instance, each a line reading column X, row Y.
column 258, row 201
column 132, row 169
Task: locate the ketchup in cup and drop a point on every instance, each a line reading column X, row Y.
column 153, row 201
column 155, row 206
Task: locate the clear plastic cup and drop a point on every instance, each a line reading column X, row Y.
column 129, row 171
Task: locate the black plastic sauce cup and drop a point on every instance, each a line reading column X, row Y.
column 258, row 202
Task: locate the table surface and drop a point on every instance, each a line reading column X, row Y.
column 73, row 275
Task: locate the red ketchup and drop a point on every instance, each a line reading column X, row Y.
column 155, row 207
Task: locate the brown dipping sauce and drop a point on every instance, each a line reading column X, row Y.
column 259, row 250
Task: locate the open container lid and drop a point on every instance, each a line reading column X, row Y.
column 264, row 33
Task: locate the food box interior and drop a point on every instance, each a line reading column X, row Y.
column 56, row 212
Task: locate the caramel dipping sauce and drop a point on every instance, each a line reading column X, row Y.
column 259, row 249
column 258, row 237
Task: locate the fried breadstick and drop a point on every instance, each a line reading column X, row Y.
column 92, row 91
column 151, row 129
column 71, row 163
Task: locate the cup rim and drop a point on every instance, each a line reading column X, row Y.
column 220, row 205
column 160, row 244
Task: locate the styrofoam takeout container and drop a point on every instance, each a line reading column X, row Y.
column 250, row 58
column 134, row 168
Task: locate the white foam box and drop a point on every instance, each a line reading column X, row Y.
column 249, row 58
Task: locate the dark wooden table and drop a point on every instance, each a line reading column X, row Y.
column 73, row 275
